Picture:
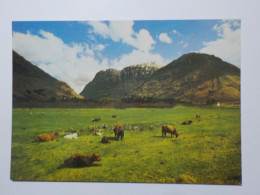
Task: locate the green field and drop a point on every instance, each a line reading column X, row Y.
column 207, row 152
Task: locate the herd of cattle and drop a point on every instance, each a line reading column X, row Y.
column 79, row 160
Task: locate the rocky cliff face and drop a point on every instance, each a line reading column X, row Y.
column 139, row 72
column 113, row 85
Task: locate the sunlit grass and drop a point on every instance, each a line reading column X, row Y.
column 208, row 151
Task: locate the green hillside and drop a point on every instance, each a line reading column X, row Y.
column 193, row 78
column 32, row 83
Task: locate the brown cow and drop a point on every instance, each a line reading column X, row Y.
column 188, row 122
column 96, row 120
column 113, row 116
column 119, row 131
column 46, row 137
column 169, row 129
column 79, row 160
column 197, row 116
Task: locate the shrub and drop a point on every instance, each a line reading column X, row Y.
column 185, row 179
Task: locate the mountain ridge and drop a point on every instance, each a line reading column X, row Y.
column 193, row 78
column 113, row 85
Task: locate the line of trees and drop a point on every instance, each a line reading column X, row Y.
column 139, row 101
column 146, row 99
column 89, row 103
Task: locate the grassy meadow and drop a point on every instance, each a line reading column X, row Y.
column 207, row 152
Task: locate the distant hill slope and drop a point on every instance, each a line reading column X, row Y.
column 113, row 85
column 193, row 78
column 32, row 83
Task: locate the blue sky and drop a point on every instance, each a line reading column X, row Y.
column 74, row 51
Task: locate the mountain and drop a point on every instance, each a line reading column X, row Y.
column 30, row 83
column 113, row 85
column 193, row 78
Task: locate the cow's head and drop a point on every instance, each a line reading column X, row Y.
column 96, row 157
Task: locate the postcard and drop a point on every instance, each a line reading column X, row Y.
column 142, row 101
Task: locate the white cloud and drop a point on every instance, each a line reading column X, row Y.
column 183, row 44
column 227, row 46
column 99, row 47
column 137, row 57
column 163, row 37
column 75, row 64
column 123, row 31
column 236, row 24
column 175, row 32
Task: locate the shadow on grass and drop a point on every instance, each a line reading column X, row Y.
column 112, row 138
column 62, row 166
column 158, row 136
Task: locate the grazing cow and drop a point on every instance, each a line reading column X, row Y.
column 113, row 116
column 96, row 120
column 169, row 129
column 46, row 137
column 119, row 131
column 79, row 160
column 188, row 122
column 197, row 116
